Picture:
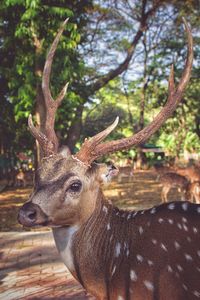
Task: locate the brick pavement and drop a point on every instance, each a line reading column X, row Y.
column 30, row 268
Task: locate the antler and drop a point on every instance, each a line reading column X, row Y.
column 92, row 149
column 48, row 140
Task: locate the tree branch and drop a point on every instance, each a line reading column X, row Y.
column 104, row 79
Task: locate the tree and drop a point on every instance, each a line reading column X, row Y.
column 27, row 31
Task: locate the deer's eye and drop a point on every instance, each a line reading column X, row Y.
column 75, row 187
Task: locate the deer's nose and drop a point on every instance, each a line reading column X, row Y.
column 30, row 214
column 27, row 214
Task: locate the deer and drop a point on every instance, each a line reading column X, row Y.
column 170, row 180
column 20, row 178
column 193, row 192
column 189, row 190
column 113, row 253
column 191, row 172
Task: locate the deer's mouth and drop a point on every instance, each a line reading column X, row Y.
column 31, row 215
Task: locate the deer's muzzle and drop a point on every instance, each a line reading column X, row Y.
column 30, row 214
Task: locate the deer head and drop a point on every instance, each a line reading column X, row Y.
column 67, row 187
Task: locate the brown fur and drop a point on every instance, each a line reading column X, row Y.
column 193, row 192
column 173, row 180
column 191, row 172
column 116, row 254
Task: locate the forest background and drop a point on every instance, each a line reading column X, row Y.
column 116, row 56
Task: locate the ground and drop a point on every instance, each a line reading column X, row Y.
column 30, row 267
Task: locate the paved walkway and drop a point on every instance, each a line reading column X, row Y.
column 30, row 268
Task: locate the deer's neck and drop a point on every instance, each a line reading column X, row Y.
column 102, row 235
column 65, row 237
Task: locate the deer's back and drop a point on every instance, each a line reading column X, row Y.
column 140, row 255
column 173, row 179
column 192, row 173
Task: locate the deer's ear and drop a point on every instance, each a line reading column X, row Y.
column 64, row 151
column 108, row 172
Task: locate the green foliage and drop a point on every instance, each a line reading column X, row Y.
column 28, row 28
column 95, row 38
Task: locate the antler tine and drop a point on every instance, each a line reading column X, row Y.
column 40, row 137
column 174, row 97
column 89, row 144
column 171, row 85
column 47, row 71
column 48, row 140
column 186, row 73
column 62, row 94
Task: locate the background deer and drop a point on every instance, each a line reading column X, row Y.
column 193, row 192
column 191, row 172
column 114, row 254
column 189, row 190
column 20, row 178
column 173, row 180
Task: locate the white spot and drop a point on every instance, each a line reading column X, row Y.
column 125, row 245
column 105, row 209
column 153, row 210
column 108, row 226
column 188, row 257
column 126, row 248
column 197, row 294
column 198, row 210
column 148, row 223
column 142, row 212
column 184, row 220
column 133, row 275
column 113, row 270
column 198, row 269
column 163, row 247
column 179, row 268
column 154, row 241
column 117, row 249
column 185, row 287
column 170, row 221
column 120, row 298
column 129, row 216
column 185, row 206
column 149, row 285
column 160, row 220
column 179, row 226
column 127, row 252
column 185, row 227
column 189, row 239
column 171, row 206
column 169, row 269
column 195, row 230
column 198, row 253
column 139, row 257
column 141, row 230
column 134, row 214
column 150, row 263
column 177, row 245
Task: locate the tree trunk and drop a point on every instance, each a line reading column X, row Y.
column 75, row 129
